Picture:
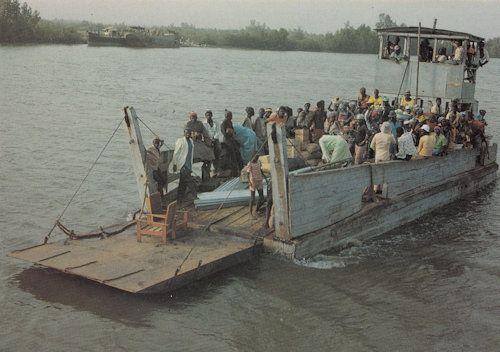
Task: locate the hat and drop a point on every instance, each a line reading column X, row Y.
column 407, row 122
column 426, row 128
column 392, row 113
column 407, row 108
column 385, row 99
column 360, row 117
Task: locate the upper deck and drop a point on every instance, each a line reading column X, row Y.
column 448, row 80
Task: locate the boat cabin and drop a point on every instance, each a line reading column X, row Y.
column 422, row 60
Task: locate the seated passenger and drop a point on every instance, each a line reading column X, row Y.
column 407, row 100
column 426, row 51
column 376, row 101
column 441, row 142
column 363, row 99
column 441, row 57
column 427, row 142
column 436, row 108
column 458, row 53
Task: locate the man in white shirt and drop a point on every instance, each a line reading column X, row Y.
column 183, row 160
column 213, row 131
column 406, row 143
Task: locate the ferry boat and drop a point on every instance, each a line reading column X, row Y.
column 315, row 208
column 137, row 37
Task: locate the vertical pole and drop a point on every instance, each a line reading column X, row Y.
column 279, row 179
column 381, row 46
column 418, row 60
column 138, row 152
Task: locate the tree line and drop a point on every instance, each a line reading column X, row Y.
column 21, row 24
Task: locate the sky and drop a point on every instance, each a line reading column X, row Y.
column 480, row 17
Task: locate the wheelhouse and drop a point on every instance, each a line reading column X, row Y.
column 432, row 76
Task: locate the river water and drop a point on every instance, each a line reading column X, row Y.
column 432, row 285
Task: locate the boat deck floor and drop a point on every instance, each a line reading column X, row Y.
column 231, row 221
column 213, row 242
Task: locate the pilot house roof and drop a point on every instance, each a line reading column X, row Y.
column 428, row 33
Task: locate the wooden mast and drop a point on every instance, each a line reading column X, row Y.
column 276, row 137
column 138, row 152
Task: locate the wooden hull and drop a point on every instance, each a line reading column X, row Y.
column 147, row 267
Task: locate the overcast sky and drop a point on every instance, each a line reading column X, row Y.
column 481, row 17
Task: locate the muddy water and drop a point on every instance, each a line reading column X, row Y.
column 432, row 285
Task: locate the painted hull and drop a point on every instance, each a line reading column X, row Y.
column 411, row 190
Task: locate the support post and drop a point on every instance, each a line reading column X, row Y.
column 418, row 60
column 144, row 179
column 279, row 179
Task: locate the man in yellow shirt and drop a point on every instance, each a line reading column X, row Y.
column 407, row 101
column 375, row 100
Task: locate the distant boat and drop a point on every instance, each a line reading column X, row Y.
column 137, row 37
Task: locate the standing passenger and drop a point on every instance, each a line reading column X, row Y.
column 382, row 143
column 406, row 144
column 360, row 139
column 183, row 159
column 255, row 183
column 213, row 131
column 319, row 120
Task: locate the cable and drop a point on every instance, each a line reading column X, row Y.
column 46, row 239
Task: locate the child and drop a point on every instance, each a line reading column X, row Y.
column 255, row 182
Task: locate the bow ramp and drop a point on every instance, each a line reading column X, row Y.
column 147, row 267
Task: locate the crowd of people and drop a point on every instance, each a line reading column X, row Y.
column 371, row 128
column 475, row 55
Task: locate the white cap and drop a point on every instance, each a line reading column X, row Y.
column 426, row 128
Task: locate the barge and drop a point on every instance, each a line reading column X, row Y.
column 315, row 208
column 135, row 37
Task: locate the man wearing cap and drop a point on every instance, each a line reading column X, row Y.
column 427, row 142
column 407, row 101
column 376, row 100
column 183, row 161
column 153, row 163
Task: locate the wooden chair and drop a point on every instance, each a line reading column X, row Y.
column 162, row 225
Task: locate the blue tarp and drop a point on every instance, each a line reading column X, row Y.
column 248, row 142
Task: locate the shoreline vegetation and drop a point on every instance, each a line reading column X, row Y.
column 20, row 24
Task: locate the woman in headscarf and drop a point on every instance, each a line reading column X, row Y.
column 382, row 143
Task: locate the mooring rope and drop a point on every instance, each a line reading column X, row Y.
column 46, row 239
